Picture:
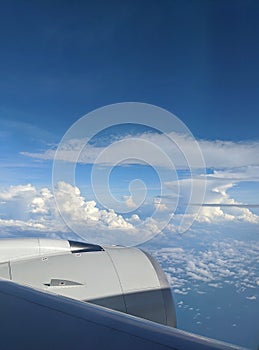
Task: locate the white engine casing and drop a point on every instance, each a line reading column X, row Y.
column 120, row 278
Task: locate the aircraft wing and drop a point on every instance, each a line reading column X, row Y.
column 34, row 319
column 59, row 294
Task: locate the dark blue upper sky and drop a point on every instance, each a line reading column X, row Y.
column 199, row 59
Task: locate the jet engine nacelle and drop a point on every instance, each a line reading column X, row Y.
column 125, row 279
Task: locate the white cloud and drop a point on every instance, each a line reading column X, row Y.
column 22, row 225
column 42, row 202
column 160, row 206
column 237, row 161
column 130, row 202
column 217, row 192
column 152, row 147
column 15, row 192
column 27, row 208
column 40, row 207
column 246, row 173
column 74, row 207
column 223, row 262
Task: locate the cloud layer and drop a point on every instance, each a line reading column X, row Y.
column 231, row 262
column 217, row 154
column 26, row 208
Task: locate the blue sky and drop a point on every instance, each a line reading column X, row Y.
column 61, row 60
column 196, row 59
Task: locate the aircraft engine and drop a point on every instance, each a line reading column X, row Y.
column 125, row 279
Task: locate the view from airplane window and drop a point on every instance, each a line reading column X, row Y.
column 135, row 123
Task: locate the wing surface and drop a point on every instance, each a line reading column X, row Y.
column 35, row 319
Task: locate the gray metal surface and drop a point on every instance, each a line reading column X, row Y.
column 5, row 270
column 24, row 248
column 144, row 286
column 32, row 319
column 124, row 279
column 170, row 312
column 93, row 271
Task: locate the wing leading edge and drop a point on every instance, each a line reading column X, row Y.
column 36, row 319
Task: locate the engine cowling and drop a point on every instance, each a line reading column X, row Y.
column 125, row 279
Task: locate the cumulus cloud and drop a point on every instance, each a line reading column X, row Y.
column 75, row 208
column 225, row 262
column 27, row 208
column 228, row 208
column 15, row 192
column 221, row 205
column 40, row 205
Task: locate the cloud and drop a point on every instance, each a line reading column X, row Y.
column 42, row 202
column 233, row 162
column 39, row 206
column 159, row 205
column 26, row 208
column 15, row 192
column 234, row 205
column 224, row 207
column 213, row 260
column 246, row 173
column 129, row 201
column 217, row 154
column 75, row 208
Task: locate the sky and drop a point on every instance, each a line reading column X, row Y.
column 190, row 137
